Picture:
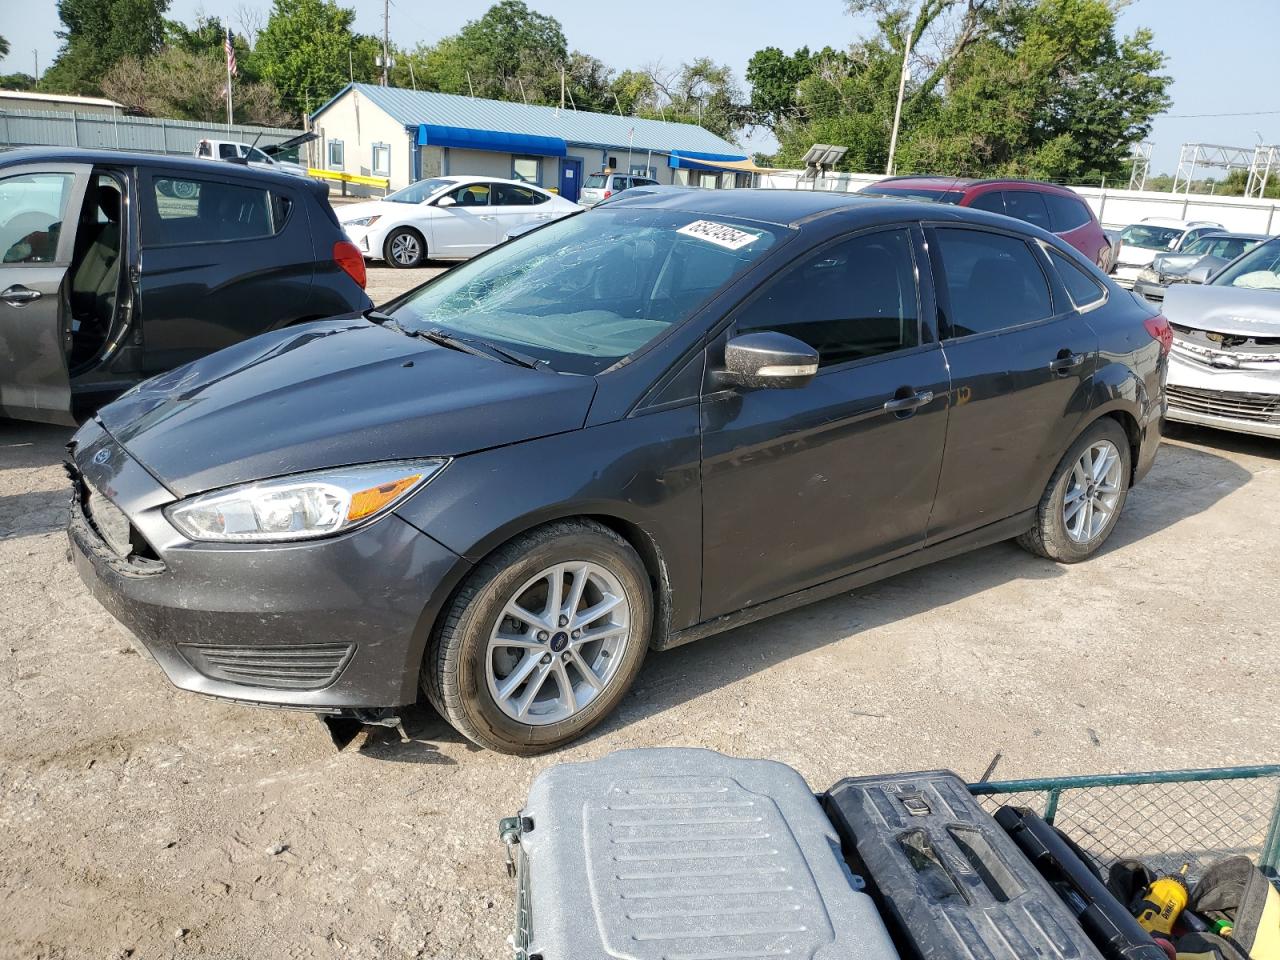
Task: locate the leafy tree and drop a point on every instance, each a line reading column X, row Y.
column 1040, row 88
column 307, row 52
column 189, row 85
column 4, row 47
column 702, row 92
column 98, row 33
column 17, row 81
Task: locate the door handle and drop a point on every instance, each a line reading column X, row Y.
column 18, row 295
column 901, row 404
column 1066, row 362
column 487, row 217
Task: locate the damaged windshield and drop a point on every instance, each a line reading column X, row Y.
column 589, row 290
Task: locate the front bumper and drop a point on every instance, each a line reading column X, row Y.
column 1243, row 401
column 320, row 625
column 366, row 239
column 1126, row 274
column 1152, row 292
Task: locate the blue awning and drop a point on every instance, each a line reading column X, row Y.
column 688, row 160
column 430, row 134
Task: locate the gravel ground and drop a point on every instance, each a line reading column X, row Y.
column 137, row 821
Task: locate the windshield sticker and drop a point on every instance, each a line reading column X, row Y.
column 720, row 234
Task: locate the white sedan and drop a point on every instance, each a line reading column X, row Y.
column 447, row 218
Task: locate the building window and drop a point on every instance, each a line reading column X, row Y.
column 382, row 159
column 528, row 169
column 335, row 155
column 680, row 177
column 613, row 163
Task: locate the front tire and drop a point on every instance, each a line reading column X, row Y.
column 1082, row 503
column 404, row 248
column 543, row 640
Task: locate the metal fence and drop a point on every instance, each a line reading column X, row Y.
column 53, row 128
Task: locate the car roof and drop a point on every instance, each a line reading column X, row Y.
column 462, row 180
column 793, row 208
column 1175, row 222
column 129, row 158
column 1231, row 235
column 966, row 183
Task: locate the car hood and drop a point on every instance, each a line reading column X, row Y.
column 1232, row 310
column 333, row 393
column 367, row 208
column 1136, row 256
column 1176, row 263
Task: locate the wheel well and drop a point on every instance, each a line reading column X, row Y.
column 654, row 565
column 409, row 229
column 1129, row 424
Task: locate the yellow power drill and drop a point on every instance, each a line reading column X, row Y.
column 1163, row 901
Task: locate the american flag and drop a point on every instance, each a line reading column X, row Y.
column 231, row 54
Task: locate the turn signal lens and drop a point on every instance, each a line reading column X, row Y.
column 365, row 503
column 300, row 507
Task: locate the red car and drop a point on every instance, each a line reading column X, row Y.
column 1047, row 205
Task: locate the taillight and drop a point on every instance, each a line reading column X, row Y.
column 1160, row 330
column 608, row 194
column 347, row 255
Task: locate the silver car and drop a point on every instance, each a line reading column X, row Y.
column 1224, row 368
column 1194, row 263
column 606, row 183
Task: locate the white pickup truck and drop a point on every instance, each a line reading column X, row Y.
column 264, row 159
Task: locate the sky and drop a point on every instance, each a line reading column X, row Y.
column 1211, row 48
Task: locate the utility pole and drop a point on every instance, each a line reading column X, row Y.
column 35, row 55
column 562, row 86
column 386, row 39
column 902, row 86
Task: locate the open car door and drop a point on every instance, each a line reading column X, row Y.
column 39, row 209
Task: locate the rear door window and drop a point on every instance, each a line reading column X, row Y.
column 992, row 201
column 181, row 210
column 993, row 281
column 1066, row 213
column 849, row 301
column 1085, row 290
column 1028, row 206
column 620, row 183
column 227, row 151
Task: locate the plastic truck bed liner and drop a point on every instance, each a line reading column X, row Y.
column 685, row 854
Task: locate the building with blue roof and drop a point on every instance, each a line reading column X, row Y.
column 406, row 135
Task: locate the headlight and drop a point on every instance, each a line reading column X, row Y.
column 1151, row 276
column 363, row 221
column 301, row 507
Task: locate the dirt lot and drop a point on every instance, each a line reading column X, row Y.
column 136, row 821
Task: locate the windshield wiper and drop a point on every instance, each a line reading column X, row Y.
column 475, row 347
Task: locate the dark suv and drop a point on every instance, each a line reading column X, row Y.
column 117, row 266
column 1046, row 205
column 622, row 432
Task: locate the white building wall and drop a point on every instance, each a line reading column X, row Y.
column 359, row 124
column 479, row 163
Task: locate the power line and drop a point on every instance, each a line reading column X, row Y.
column 1202, row 116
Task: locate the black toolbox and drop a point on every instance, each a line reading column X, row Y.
column 947, row 878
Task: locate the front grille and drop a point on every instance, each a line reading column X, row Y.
column 307, row 666
column 1254, row 407
column 108, row 520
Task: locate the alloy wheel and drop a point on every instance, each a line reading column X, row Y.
column 406, row 249
column 1093, row 492
column 558, row 643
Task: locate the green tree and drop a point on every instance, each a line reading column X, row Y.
column 4, row 47
column 1039, row 88
column 189, row 85
column 702, row 92
column 96, row 34
column 17, row 81
column 307, row 52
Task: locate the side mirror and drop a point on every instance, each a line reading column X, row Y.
column 1199, row 274
column 769, row 360
column 446, row 202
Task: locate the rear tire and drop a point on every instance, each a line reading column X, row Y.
column 1085, row 495
column 490, row 672
column 404, row 248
